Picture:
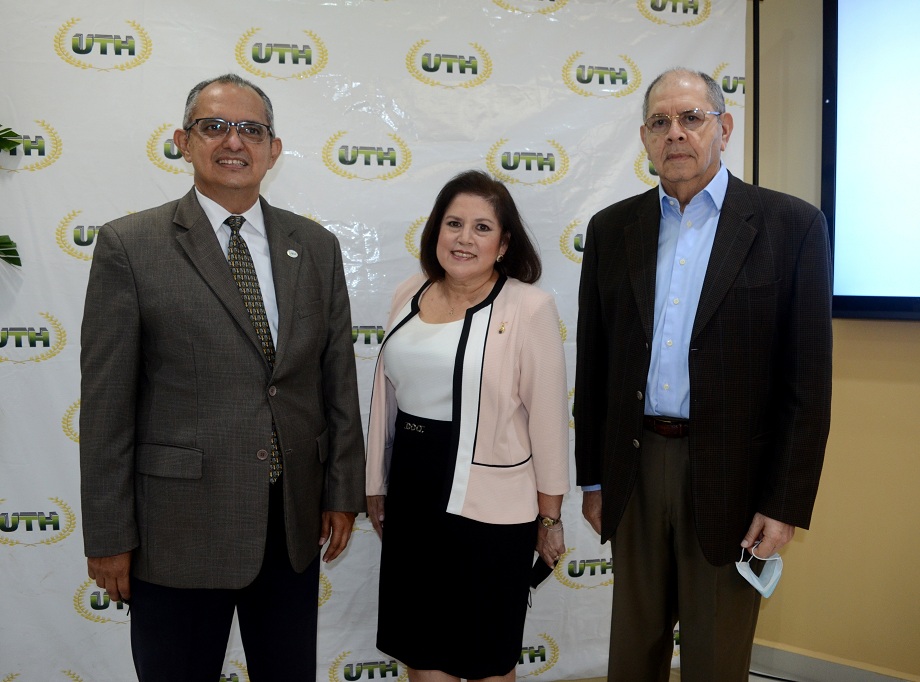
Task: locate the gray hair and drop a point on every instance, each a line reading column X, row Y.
column 713, row 89
column 227, row 79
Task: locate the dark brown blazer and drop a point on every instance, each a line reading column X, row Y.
column 177, row 398
column 760, row 361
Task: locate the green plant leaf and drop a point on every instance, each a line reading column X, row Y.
column 9, row 139
column 8, row 252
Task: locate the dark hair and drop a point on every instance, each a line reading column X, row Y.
column 520, row 260
column 713, row 89
column 227, row 79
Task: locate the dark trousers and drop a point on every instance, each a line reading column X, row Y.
column 661, row 576
column 181, row 634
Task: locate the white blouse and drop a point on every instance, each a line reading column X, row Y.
column 420, row 365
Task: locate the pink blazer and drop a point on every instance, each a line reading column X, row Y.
column 513, row 411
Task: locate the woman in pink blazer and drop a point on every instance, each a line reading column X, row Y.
column 468, row 443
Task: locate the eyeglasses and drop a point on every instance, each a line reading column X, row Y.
column 217, row 129
column 689, row 120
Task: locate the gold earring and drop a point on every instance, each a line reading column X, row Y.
column 499, row 259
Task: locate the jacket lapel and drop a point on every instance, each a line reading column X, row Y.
column 196, row 236
column 734, row 236
column 285, row 273
column 641, row 239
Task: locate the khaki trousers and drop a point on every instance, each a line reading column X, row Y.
column 661, row 576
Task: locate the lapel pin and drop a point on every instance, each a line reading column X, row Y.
column 501, row 330
column 292, row 253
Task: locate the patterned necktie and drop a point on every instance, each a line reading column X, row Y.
column 244, row 274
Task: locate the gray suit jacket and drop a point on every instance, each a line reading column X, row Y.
column 760, row 361
column 177, row 399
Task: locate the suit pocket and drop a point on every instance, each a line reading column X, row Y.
column 168, row 461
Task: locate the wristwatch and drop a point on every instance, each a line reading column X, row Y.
column 549, row 522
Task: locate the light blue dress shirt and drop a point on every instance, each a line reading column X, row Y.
column 684, row 244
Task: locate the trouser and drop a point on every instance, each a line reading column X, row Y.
column 661, row 576
column 181, row 634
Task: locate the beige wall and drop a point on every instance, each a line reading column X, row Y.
column 851, row 585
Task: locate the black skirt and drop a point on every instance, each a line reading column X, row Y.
column 453, row 591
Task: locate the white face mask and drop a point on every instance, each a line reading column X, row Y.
column 766, row 582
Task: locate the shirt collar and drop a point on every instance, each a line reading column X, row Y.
column 716, row 189
column 217, row 214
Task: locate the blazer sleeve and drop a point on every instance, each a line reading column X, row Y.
column 590, row 405
column 344, row 484
column 803, row 408
column 544, row 392
column 109, row 364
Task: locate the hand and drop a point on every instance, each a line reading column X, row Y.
column 375, row 504
column 550, row 544
column 337, row 527
column 771, row 533
column 111, row 573
column 591, row 504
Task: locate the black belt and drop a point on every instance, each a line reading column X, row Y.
column 667, row 426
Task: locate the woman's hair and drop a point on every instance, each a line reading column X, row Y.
column 520, row 260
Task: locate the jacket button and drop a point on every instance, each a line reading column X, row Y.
column 272, row 391
column 635, row 443
column 639, row 395
column 262, row 454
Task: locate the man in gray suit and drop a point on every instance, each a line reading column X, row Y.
column 220, row 436
column 703, row 388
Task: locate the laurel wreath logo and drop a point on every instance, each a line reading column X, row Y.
column 334, row 669
column 320, row 52
column 66, row 530
column 325, row 590
column 72, row 675
column 67, row 422
column 79, row 605
column 565, row 242
column 559, row 573
column 410, row 240
column 544, row 10
column 60, row 46
column 561, row 170
column 644, row 10
column 10, row 677
column 417, row 74
column 56, row 147
column 330, row 162
column 563, row 331
column 551, row 661
column 66, row 246
column 572, row 84
column 716, row 75
column 153, row 153
column 640, row 166
column 571, row 419
column 60, row 334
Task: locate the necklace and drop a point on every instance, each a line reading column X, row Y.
column 471, row 300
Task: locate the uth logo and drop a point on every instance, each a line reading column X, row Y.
column 536, row 660
column 733, row 87
column 163, row 153
column 41, row 152
column 578, row 574
column 590, row 80
column 366, row 162
column 33, row 528
column 96, row 605
column 532, row 6
column 75, row 240
column 281, row 61
column 105, row 51
column 22, row 342
column 676, row 12
column 445, row 70
column 528, row 167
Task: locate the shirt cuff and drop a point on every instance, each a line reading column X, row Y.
column 591, row 488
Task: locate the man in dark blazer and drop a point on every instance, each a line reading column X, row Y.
column 216, row 462
column 703, row 388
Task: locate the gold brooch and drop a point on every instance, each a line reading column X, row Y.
column 501, row 330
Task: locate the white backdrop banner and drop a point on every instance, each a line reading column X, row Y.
column 378, row 104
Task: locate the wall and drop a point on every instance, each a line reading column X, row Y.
column 849, row 591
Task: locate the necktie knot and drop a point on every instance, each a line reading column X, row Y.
column 235, row 222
